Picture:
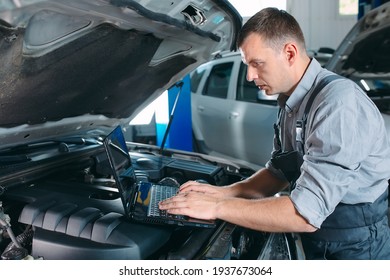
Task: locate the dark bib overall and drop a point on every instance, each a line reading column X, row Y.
column 358, row 231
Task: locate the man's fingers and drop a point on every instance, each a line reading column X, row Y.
column 173, row 202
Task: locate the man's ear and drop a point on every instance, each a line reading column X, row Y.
column 291, row 52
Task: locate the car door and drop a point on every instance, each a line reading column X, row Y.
column 252, row 125
column 211, row 107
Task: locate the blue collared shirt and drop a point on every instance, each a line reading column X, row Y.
column 346, row 148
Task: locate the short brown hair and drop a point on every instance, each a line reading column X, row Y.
column 275, row 26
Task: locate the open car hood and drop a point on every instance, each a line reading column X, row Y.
column 364, row 56
column 71, row 66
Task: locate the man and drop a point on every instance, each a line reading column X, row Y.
column 339, row 191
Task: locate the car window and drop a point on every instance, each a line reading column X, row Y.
column 249, row 92
column 196, row 77
column 218, row 81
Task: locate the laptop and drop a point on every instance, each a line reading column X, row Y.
column 140, row 199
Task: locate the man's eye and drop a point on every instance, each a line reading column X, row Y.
column 257, row 64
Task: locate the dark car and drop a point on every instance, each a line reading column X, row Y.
column 71, row 72
column 364, row 57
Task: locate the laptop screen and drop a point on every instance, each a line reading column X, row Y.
column 120, row 162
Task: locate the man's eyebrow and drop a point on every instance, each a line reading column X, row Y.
column 254, row 60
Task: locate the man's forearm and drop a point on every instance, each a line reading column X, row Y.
column 261, row 184
column 275, row 214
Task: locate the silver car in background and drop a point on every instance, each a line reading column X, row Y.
column 231, row 117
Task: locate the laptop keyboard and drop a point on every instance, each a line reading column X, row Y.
column 159, row 193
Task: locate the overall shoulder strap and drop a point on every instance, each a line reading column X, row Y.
column 301, row 124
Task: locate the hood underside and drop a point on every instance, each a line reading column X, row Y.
column 364, row 56
column 365, row 50
column 77, row 64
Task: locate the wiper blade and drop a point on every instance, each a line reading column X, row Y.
column 16, row 153
column 77, row 140
column 13, row 159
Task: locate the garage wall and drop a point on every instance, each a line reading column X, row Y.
column 320, row 22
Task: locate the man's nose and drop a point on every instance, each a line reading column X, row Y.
column 251, row 74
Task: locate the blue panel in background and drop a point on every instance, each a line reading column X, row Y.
column 180, row 132
column 367, row 5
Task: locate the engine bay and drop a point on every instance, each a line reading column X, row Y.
column 72, row 210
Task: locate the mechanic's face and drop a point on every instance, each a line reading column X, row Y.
column 267, row 68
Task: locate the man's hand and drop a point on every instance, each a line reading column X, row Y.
column 200, row 205
column 215, row 191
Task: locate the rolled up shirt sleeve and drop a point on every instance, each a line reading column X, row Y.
column 344, row 146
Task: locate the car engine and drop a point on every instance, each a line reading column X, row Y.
column 64, row 204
